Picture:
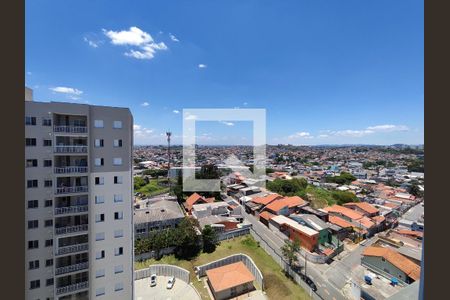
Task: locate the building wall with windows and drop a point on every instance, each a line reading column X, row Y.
column 62, row 201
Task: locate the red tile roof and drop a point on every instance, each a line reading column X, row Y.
column 267, row 199
column 396, row 259
column 266, row 215
column 350, row 213
column 194, row 198
column 339, row 222
column 368, row 208
column 410, row 233
column 229, row 276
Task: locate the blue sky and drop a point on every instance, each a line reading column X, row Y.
column 327, row 72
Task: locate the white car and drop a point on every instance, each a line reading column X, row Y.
column 153, row 280
column 171, row 282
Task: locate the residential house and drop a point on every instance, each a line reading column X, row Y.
column 308, row 237
column 315, row 223
column 196, row 199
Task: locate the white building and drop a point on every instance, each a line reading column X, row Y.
column 78, row 200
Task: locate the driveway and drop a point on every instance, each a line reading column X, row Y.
column 180, row 290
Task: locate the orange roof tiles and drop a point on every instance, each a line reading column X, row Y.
column 350, row 213
column 410, row 232
column 229, row 276
column 194, row 198
column 290, row 202
column 295, row 201
column 266, row 215
column 267, row 199
column 339, row 222
column 378, row 219
column 368, row 208
column 396, row 259
column 277, row 205
column 366, row 222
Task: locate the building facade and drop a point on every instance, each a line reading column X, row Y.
column 78, row 201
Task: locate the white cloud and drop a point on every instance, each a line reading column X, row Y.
column 202, row 66
column 146, row 46
column 145, row 104
column 364, row 132
column 91, row 42
column 300, row 134
column 67, row 90
column 176, row 111
column 227, row 123
column 388, row 128
column 190, row 117
column 173, row 38
column 142, row 132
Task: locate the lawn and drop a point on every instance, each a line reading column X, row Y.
column 277, row 285
column 154, row 187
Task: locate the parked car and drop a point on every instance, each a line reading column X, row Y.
column 311, row 284
column 171, row 282
column 153, row 280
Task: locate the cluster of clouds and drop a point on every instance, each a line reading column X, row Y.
column 350, row 132
column 71, row 93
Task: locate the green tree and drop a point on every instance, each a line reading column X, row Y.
column 342, row 197
column 187, row 240
column 289, row 251
column 138, row 182
column 208, row 171
column 209, row 236
column 344, row 178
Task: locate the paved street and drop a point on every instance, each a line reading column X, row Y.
column 324, row 289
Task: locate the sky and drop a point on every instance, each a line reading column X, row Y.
column 326, row 72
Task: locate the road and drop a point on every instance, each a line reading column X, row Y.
column 324, row 288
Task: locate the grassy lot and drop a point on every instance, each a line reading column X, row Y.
column 154, row 187
column 277, row 285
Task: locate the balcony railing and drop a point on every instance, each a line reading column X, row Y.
column 71, row 229
column 70, row 129
column 72, row 249
column 71, row 169
column 72, row 268
column 72, row 288
column 72, row 189
column 71, row 149
column 71, row 209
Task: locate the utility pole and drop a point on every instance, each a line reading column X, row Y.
column 168, row 134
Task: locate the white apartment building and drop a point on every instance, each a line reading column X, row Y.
column 78, row 201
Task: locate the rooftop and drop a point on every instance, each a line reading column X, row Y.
column 159, row 210
column 291, row 223
column 229, row 276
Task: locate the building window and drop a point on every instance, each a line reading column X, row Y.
column 118, row 233
column 47, row 163
column 33, row 203
column 30, row 142
column 32, row 163
column 33, row 244
column 100, row 254
column 49, row 262
column 118, row 251
column 117, row 143
column 100, row 273
column 46, row 122
column 33, row 224
column 35, row 284
column 49, row 223
column 100, row 236
column 32, row 183
column 118, row 215
column 117, row 161
column 118, row 269
column 117, row 124
column 99, row 143
column 100, row 291
column 118, row 198
column 48, row 183
column 49, row 282
column 99, row 180
column 99, row 218
column 99, row 162
column 48, row 243
column 118, row 286
column 33, row 264
column 118, row 179
column 98, row 123
column 99, row 199
column 47, row 143
column 30, row 120
column 48, row 203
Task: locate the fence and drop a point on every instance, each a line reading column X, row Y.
column 163, row 270
column 248, row 262
column 283, row 264
column 152, row 254
column 232, row 234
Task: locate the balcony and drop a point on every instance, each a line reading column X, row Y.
column 70, row 149
column 72, row 288
column 69, row 129
column 71, row 209
column 71, row 229
column 72, row 268
column 71, row 169
column 71, row 189
column 72, row 249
